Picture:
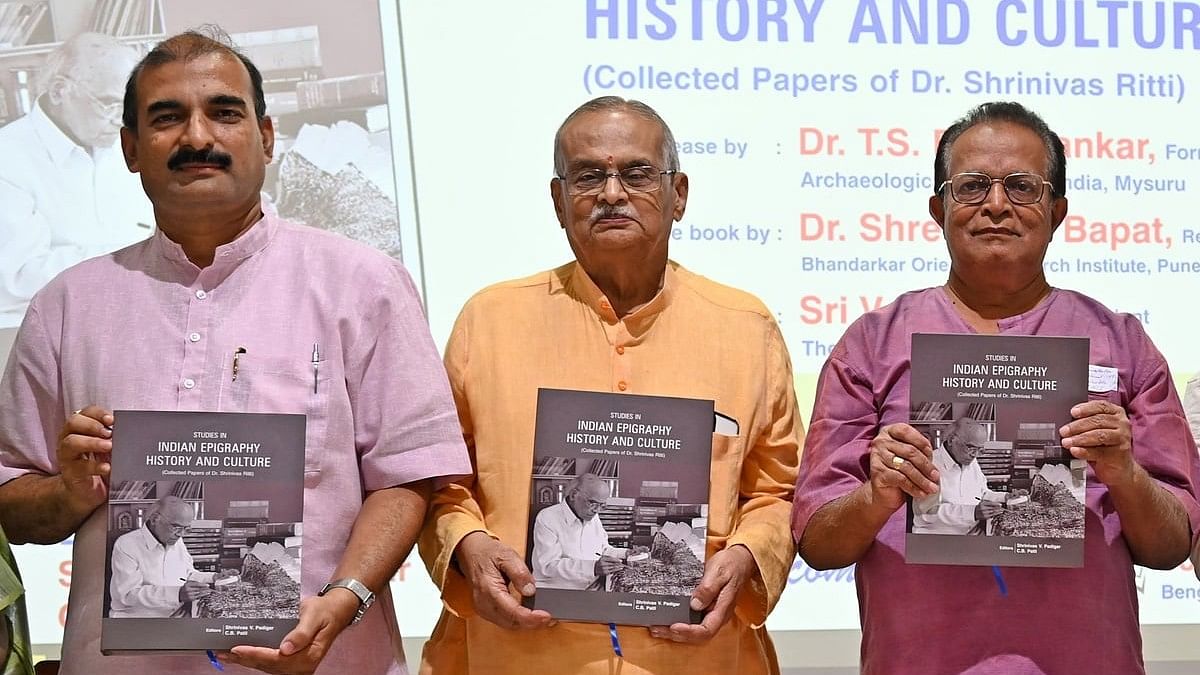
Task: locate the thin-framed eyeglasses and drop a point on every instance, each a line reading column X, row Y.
column 110, row 109
column 643, row 179
column 972, row 188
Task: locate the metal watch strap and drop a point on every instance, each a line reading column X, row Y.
column 366, row 598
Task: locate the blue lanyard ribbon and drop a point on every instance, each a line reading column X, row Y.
column 616, row 641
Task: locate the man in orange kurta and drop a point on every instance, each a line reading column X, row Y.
column 621, row 318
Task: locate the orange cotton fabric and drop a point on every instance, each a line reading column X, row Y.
column 555, row 329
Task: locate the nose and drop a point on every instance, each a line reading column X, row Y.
column 614, row 190
column 196, row 133
column 996, row 200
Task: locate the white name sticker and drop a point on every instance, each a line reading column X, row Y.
column 1102, row 379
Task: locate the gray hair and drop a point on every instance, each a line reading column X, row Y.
column 586, row 481
column 960, row 425
column 170, row 503
column 606, row 103
column 89, row 48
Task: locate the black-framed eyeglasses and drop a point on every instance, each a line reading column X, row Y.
column 972, row 188
column 643, row 179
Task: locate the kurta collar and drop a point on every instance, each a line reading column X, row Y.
column 1025, row 322
column 572, row 279
column 227, row 256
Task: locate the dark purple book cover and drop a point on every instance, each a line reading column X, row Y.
column 619, row 506
column 205, row 530
column 991, row 407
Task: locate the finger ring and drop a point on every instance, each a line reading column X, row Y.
column 897, row 461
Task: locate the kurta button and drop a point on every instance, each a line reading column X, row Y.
column 622, row 386
column 189, row 383
column 620, row 349
column 194, row 337
column 201, row 294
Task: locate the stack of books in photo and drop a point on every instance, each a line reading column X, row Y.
column 1033, row 442
column 650, row 510
column 617, row 517
column 240, row 524
column 203, row 541
column 996, row 462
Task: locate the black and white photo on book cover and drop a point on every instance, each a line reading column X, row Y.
column 618, row 511
column 205, row 530
column 991, row 407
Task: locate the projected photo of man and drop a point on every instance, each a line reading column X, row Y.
column 65, row 191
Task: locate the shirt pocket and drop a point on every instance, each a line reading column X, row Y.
column 724, row 481
column 277, row 384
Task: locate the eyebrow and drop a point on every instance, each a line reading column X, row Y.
column 217, row 100
column 160, row 106
column 227, row 99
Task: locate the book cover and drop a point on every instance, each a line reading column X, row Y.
column 991, row 407
column 205, row 520
column 619, row 506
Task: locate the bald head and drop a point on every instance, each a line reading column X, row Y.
column 965, row 439
column 587, row 495
column 169, row 519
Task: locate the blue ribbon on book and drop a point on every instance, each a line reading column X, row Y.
column 212, row 658
column 1000, row 580
column 616, row 641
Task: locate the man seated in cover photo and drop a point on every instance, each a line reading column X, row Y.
column 570, row 546
column 1000, row 195
column 963, row 502
column 152, row 571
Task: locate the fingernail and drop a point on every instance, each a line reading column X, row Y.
column 528, row 589
column 552, row 623
column 696, row 605
column 1063, row 430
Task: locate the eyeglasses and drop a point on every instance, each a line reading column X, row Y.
column 109, row 110
column 973, row 188
column 642, row 179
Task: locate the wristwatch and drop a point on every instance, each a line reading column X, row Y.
column 365, row 597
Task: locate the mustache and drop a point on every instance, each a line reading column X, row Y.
column 600, row 211
column 190, row 156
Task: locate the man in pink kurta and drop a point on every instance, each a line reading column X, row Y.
column 1001, row 177
column 147, row 327
column 1051, row 621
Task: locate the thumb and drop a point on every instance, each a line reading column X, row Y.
column 302, row 635
column 516, row 571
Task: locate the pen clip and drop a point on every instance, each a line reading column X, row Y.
column 237, row 353
column 316, row 364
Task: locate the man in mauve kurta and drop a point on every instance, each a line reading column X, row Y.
column 1000, row 174
column 621, row 318
column 228, row 308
